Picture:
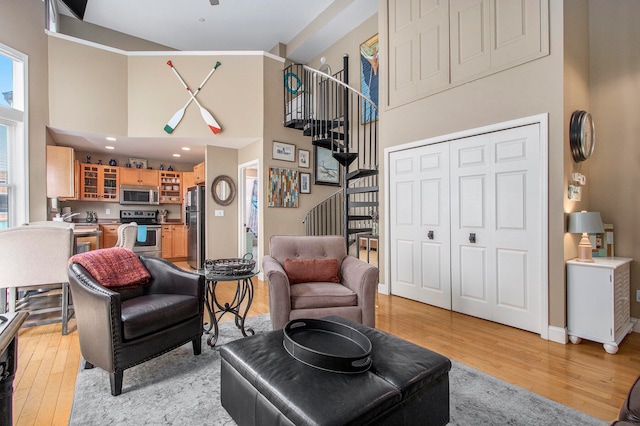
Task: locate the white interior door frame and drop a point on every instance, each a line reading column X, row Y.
column 543, row 121
column 242, row 196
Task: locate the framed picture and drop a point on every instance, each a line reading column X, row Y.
column 326, row 169
column 303, row 158
column 305, row 183
column 284, row 151
column 138, row 163
column 283, row 187
column 369, row 77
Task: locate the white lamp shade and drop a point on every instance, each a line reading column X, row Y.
column 585, row 222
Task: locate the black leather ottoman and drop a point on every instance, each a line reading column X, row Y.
column 261, row 384
column 630, row 410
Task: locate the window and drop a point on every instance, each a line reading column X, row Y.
column 14, row 167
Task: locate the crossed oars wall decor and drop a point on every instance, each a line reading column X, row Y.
column 206, row 115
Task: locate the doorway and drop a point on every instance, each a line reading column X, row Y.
column 249, row 210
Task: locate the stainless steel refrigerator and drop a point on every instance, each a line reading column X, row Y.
column 195, row 218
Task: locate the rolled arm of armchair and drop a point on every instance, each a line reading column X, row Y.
column 166, row 278
column 92, row 304
column 279, row 294
column 362, row 278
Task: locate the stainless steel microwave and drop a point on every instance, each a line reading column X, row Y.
column 134, row 194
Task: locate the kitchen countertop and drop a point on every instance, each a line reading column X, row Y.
column 84, row 225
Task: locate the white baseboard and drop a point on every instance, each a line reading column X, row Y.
column 636, row 325
column 558, row 334
column 383, row 288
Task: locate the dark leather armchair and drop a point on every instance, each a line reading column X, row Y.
column 118, row 328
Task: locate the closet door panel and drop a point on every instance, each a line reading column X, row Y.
column 470, row 38
column 512, row 279
column 518, row 31
column 420, row 240
column 471, row 191
column 518, row 219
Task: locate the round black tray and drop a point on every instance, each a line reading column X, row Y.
column 327, row 345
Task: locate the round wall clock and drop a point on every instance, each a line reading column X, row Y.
column 582, row 135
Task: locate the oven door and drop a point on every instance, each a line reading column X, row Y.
column 152, row 246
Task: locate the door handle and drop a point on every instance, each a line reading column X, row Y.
column 472, row 238
column 430, row 235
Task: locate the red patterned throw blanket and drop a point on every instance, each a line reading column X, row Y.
column 115, row 267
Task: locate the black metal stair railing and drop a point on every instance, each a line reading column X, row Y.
column 331, row 112
column 326, row 217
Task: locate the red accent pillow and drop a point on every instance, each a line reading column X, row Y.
column 115, row 267
column 311, row 270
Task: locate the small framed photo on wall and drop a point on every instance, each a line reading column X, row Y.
column 305, row 183
column 304, row 158
column 284, row 151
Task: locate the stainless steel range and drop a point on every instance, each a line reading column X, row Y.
column 149, row 227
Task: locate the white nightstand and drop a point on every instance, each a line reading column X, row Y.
column 598, row 301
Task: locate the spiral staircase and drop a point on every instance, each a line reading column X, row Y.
column 342, row 124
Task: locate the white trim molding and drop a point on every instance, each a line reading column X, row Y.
column 558, row 334
column 165, row 52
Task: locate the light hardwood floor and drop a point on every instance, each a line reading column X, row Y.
column 581, row 376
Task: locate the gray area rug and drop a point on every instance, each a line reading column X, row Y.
column 179, row 388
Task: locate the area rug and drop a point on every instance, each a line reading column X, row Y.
column 179, row 388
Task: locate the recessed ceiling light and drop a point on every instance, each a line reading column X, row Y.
column 186, row 148
column 176, row 155
column 111, row 138
column 109, row 147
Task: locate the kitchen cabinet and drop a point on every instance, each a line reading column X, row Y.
column 109, row 236
column 174, row 242
column 198, row 173
column 179, row 241
column 170, row 187
column 61, row 172
column 598, row 306
column 188, row 181
column 99, row 183
column 133, row 176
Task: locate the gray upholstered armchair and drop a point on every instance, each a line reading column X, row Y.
column 313, row 277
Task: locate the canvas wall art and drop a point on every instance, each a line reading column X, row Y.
column 283, row 187
column 369, row 77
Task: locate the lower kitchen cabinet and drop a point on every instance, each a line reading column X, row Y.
column 598, row 306
column 174, row 241
column 109, row 236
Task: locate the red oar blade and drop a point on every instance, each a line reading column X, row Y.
column 211, row 122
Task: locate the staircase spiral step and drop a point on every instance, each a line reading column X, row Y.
column 360, row 173
column 345, row 158
column 362, row 189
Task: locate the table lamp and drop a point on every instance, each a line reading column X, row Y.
column 585, row 223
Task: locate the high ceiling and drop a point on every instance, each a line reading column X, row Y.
column 305, row 27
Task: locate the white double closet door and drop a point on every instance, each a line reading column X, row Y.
column 465, row 225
